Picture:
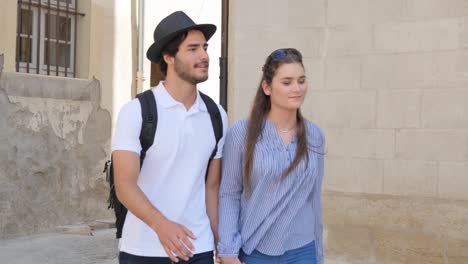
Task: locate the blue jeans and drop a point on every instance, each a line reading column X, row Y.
column 201, row 258
column 302, row 255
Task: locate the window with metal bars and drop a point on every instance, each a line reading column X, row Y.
column 46, row 37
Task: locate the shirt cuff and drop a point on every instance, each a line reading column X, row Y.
column 228, row 255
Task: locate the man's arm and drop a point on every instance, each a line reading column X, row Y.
column 212, row 192
column 173, row 236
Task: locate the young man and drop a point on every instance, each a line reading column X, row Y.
column 171, row 216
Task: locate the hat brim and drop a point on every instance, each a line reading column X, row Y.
column 154, row 51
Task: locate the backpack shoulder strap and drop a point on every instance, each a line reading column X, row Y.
column 216, row 120
column 149, row 115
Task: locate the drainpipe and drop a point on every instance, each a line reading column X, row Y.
column 223, row 60
column 140, row 78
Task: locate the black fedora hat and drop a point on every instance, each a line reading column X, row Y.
column 171, row 26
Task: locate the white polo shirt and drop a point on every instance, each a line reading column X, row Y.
column 173, row 172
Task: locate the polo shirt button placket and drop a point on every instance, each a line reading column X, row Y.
column 186, row 126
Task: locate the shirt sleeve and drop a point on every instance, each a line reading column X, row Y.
column 219, row 152
column 317, row 195
column 230, row 194
column 128, row 127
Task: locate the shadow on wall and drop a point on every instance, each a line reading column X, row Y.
column 54, row 138
column 1, row 64
column 373, row 228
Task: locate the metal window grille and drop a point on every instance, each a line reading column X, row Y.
column 46, row 37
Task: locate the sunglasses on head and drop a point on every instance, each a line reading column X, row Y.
column 278, row 54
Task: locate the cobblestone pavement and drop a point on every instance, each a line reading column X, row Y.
column 55, row 248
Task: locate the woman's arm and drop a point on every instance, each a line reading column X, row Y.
column 317, row 195
column 230, row 194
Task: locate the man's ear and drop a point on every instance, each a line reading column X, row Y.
column 168, row 59
column 266, row 88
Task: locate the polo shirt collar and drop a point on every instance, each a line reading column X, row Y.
column 165, row 100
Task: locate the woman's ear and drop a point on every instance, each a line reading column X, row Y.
column 266, row 88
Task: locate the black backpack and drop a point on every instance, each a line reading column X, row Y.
column 149, row 116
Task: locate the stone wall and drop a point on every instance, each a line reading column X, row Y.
column 388, row 83
column 54, row 139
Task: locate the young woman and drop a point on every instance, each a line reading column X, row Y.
column 269, row 202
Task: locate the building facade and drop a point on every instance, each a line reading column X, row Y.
column 388, row 83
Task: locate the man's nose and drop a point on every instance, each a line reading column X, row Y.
column 204, row 54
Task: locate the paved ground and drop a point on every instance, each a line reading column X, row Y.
column 62, row 248
column 55, row 248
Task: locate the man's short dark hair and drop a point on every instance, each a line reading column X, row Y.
column 171, row 49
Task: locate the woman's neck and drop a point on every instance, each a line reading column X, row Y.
column 284, row 120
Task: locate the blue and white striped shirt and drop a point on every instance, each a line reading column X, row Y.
column 280, row 214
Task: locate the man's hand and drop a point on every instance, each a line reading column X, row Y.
column 231, row 261
column 175, row 239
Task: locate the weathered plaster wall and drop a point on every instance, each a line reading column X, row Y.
column 54, row 139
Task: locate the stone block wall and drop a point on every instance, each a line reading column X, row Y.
column 388, row 83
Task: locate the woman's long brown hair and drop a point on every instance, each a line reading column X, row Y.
column 260, row 109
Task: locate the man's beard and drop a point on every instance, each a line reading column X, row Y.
column 183, row 71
